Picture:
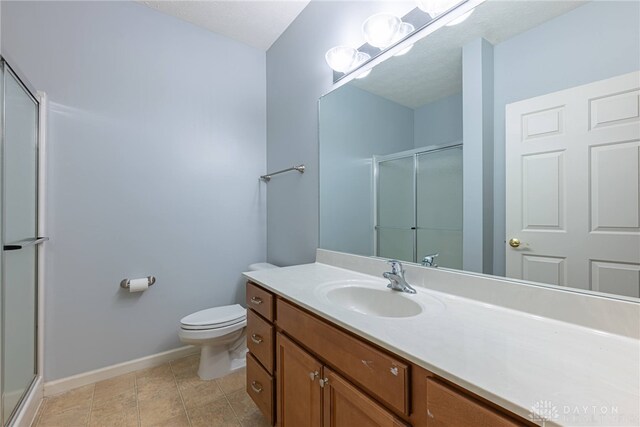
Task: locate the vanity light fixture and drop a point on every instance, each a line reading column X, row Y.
column 344, row 59
column 404, row 30
column 341, row 58
column 435, row 8
column 363, row 75
column 380, row 30
column 384, row 31
column 361, row 58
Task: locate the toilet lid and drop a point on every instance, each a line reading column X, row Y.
column 217, row 317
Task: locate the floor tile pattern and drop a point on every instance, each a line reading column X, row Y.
column 168, row 395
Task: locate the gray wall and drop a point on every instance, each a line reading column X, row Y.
column 593, row 42
column 439, row 122
column 156, row 141
column 297, row 75
column 355, row 126
column 477, row 83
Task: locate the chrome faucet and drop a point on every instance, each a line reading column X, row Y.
column 430, row 260
column 396, row 278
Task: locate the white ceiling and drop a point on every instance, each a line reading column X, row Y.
column 433, row 68
column 256, row 23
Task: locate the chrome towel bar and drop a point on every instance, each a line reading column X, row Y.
column 267, row 178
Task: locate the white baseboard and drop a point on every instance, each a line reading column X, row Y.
column 79, row 380
column 29, row 407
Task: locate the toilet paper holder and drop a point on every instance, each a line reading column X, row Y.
column 125, row 282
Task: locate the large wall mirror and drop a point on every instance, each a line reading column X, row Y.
column 508, row 144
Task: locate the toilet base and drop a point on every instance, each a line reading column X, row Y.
column 215, row 362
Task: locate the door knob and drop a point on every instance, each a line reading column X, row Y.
column 514, row 242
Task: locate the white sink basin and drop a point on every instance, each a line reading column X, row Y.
column 370, row 298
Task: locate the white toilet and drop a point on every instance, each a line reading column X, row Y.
column 221, row 333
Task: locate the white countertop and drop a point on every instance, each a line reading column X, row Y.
column 514, row 359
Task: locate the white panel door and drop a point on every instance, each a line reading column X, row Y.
column 573, row 187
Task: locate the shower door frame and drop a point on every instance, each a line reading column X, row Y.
column 26, row 408
column 375, row 177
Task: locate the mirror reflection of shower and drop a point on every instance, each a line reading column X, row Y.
column 418, row 205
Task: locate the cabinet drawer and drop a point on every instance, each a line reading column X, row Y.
column 447, row 407
column 260, row 388
column 260, row 300
column 384, row 376
column 260, row 340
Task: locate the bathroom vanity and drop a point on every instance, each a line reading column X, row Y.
column 324, row 375
column 333, row 347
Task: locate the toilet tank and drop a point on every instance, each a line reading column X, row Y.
column 261, row 266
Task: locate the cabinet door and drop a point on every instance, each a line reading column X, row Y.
column 346, row 406
column 447, row 407
column 299, row 392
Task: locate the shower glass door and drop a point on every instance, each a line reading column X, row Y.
column 439, row 206
column 19, row 239
column 395, row 230
column 418, row 205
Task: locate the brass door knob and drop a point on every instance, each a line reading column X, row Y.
column 514, row 243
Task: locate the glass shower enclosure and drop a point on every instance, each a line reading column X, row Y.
column 418, row 205
column 19, row 110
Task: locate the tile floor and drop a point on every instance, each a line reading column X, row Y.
column 169, row 395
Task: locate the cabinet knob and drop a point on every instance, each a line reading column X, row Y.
column 324, row 382
column 256, row 300
column 256, row 386
column 314, row 375
column 256, row 338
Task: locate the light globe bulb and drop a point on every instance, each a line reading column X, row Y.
column 404, row 30
column 436, row 7
column 363, row 75
column 361, row 58
column 341, row 58
column 380, row 30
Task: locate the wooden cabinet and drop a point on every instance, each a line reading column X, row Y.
column 260, row 335
column 381, row 374
column 310, row 394
column 261, row 301
column 447, row 407
column 303, row 370
column 260, row 388
column 261, row 346
column 299, row 392
column 346, row 406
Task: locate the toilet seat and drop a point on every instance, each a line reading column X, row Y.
column 200, row 336
column 215, row 318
